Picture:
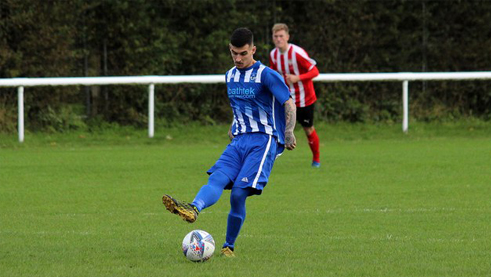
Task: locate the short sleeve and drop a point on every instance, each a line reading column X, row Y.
column 276, row 85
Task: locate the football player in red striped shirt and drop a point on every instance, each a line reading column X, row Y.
column 298, row 69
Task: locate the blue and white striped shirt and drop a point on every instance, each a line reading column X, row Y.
column 257, row 95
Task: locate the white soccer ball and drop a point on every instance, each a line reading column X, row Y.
column 198, row 246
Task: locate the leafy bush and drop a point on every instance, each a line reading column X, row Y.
column 171, row 37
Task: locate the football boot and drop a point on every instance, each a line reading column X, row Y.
column 185, row 210
column 227, row 252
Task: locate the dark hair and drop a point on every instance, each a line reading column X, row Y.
column 241, row 37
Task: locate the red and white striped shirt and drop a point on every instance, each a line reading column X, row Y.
column 296, row 61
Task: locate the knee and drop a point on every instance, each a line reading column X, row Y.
column 309, row 130
column 238, row 196
column 219, row 178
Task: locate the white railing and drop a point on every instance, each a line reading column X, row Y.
column 403, row 77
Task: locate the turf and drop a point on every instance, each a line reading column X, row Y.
column 383, row 203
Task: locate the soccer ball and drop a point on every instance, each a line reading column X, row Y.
column 198, row 246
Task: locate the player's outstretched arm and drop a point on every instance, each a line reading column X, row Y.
column 290, row 117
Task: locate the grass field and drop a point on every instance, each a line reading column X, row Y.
column 382, row 204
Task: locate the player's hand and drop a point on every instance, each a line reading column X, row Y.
column 230, row 135
column 292, row 79
column 290, row 141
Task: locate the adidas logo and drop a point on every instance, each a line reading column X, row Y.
column 245, row 180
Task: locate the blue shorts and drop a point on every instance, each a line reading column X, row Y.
column 248, row 161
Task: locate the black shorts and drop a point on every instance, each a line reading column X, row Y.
column 305, row 116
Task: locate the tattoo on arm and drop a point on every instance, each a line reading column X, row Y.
column 290, row 118
column 290, row 115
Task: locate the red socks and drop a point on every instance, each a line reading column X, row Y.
column 314, row 146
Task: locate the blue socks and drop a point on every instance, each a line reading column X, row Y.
column 237, row 215
column 211, row 192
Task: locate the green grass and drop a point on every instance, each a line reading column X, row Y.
column 383, row 203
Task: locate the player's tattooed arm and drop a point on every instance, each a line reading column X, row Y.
column 290, row 117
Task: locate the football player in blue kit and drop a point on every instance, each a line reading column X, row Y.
column 262, row 127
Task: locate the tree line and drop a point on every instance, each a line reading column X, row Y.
column 72, row 38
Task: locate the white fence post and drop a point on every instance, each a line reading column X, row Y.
column 151, row 105
column 20, row 124
column 405, row 77
column 405, row 106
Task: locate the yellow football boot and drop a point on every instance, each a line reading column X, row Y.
column 185, row 210
column 227, row 252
